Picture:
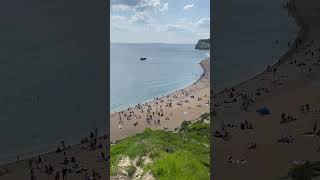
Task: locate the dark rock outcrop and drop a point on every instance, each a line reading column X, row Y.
column 203, row 44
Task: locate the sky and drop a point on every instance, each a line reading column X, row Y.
column 159, row 21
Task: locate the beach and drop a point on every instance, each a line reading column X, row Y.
column 251, row 145
column 163, row 113
column 90, row 159
column 167, row 112
column 79, row 161
column 247, row 144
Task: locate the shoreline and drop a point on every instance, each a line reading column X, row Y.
column 47, row 153
column 31, row 155
column 7, row 164
column 291, row 50
column 167, row 93
column 86, row 159
column 199, row 83
column 284, row 89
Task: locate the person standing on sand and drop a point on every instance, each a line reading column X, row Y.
column 57, row 176
column 63, row 145
column 64, row 174
column 94, row 174
column 30, row 164
column 315, row 127
column 32, row 176
column 103, row 155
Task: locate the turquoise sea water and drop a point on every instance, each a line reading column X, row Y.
column 168, row 67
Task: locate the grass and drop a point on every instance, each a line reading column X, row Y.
column 184, row 154
column 179, row 165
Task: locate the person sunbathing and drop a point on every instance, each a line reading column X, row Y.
column 252, row 145
column 217, row 134
column 286, row 139
column 305, row 108
column 230, row 125
column 229, row 158
column 287, row 118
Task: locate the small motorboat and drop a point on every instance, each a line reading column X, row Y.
column 143, row 58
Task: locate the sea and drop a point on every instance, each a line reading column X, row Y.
column 168, row 67
column 244, row 38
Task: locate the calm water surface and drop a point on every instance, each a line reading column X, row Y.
column 168, row 67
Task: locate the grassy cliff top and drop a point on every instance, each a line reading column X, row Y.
column 180, row 154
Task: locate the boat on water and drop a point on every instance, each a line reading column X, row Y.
column 143, row 58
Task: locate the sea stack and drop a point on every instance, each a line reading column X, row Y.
column 203, row 44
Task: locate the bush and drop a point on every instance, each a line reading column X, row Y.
column 169, row 149
column 205, row 116
column 139, row 162
column 184, row 126
column 131, row 170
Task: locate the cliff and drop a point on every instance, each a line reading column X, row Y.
column 203, row 44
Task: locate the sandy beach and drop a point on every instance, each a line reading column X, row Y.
column 165, row 112
column 79, row 161
column 90, row 158
column 258, row 146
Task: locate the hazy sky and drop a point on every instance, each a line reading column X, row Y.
column 159, row 21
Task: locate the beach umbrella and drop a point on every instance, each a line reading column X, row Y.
column 263, row 111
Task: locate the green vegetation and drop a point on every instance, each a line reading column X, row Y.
column 131, row 170
column 306, row 171
column 184, row 154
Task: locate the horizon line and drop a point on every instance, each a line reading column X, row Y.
column 147, row 43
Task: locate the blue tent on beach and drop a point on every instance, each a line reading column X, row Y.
column 263, row 111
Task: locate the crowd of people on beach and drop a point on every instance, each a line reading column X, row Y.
column 243, row 98
column 160, row 109
column 44, row 165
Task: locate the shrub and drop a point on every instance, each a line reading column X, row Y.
column 131, row 170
